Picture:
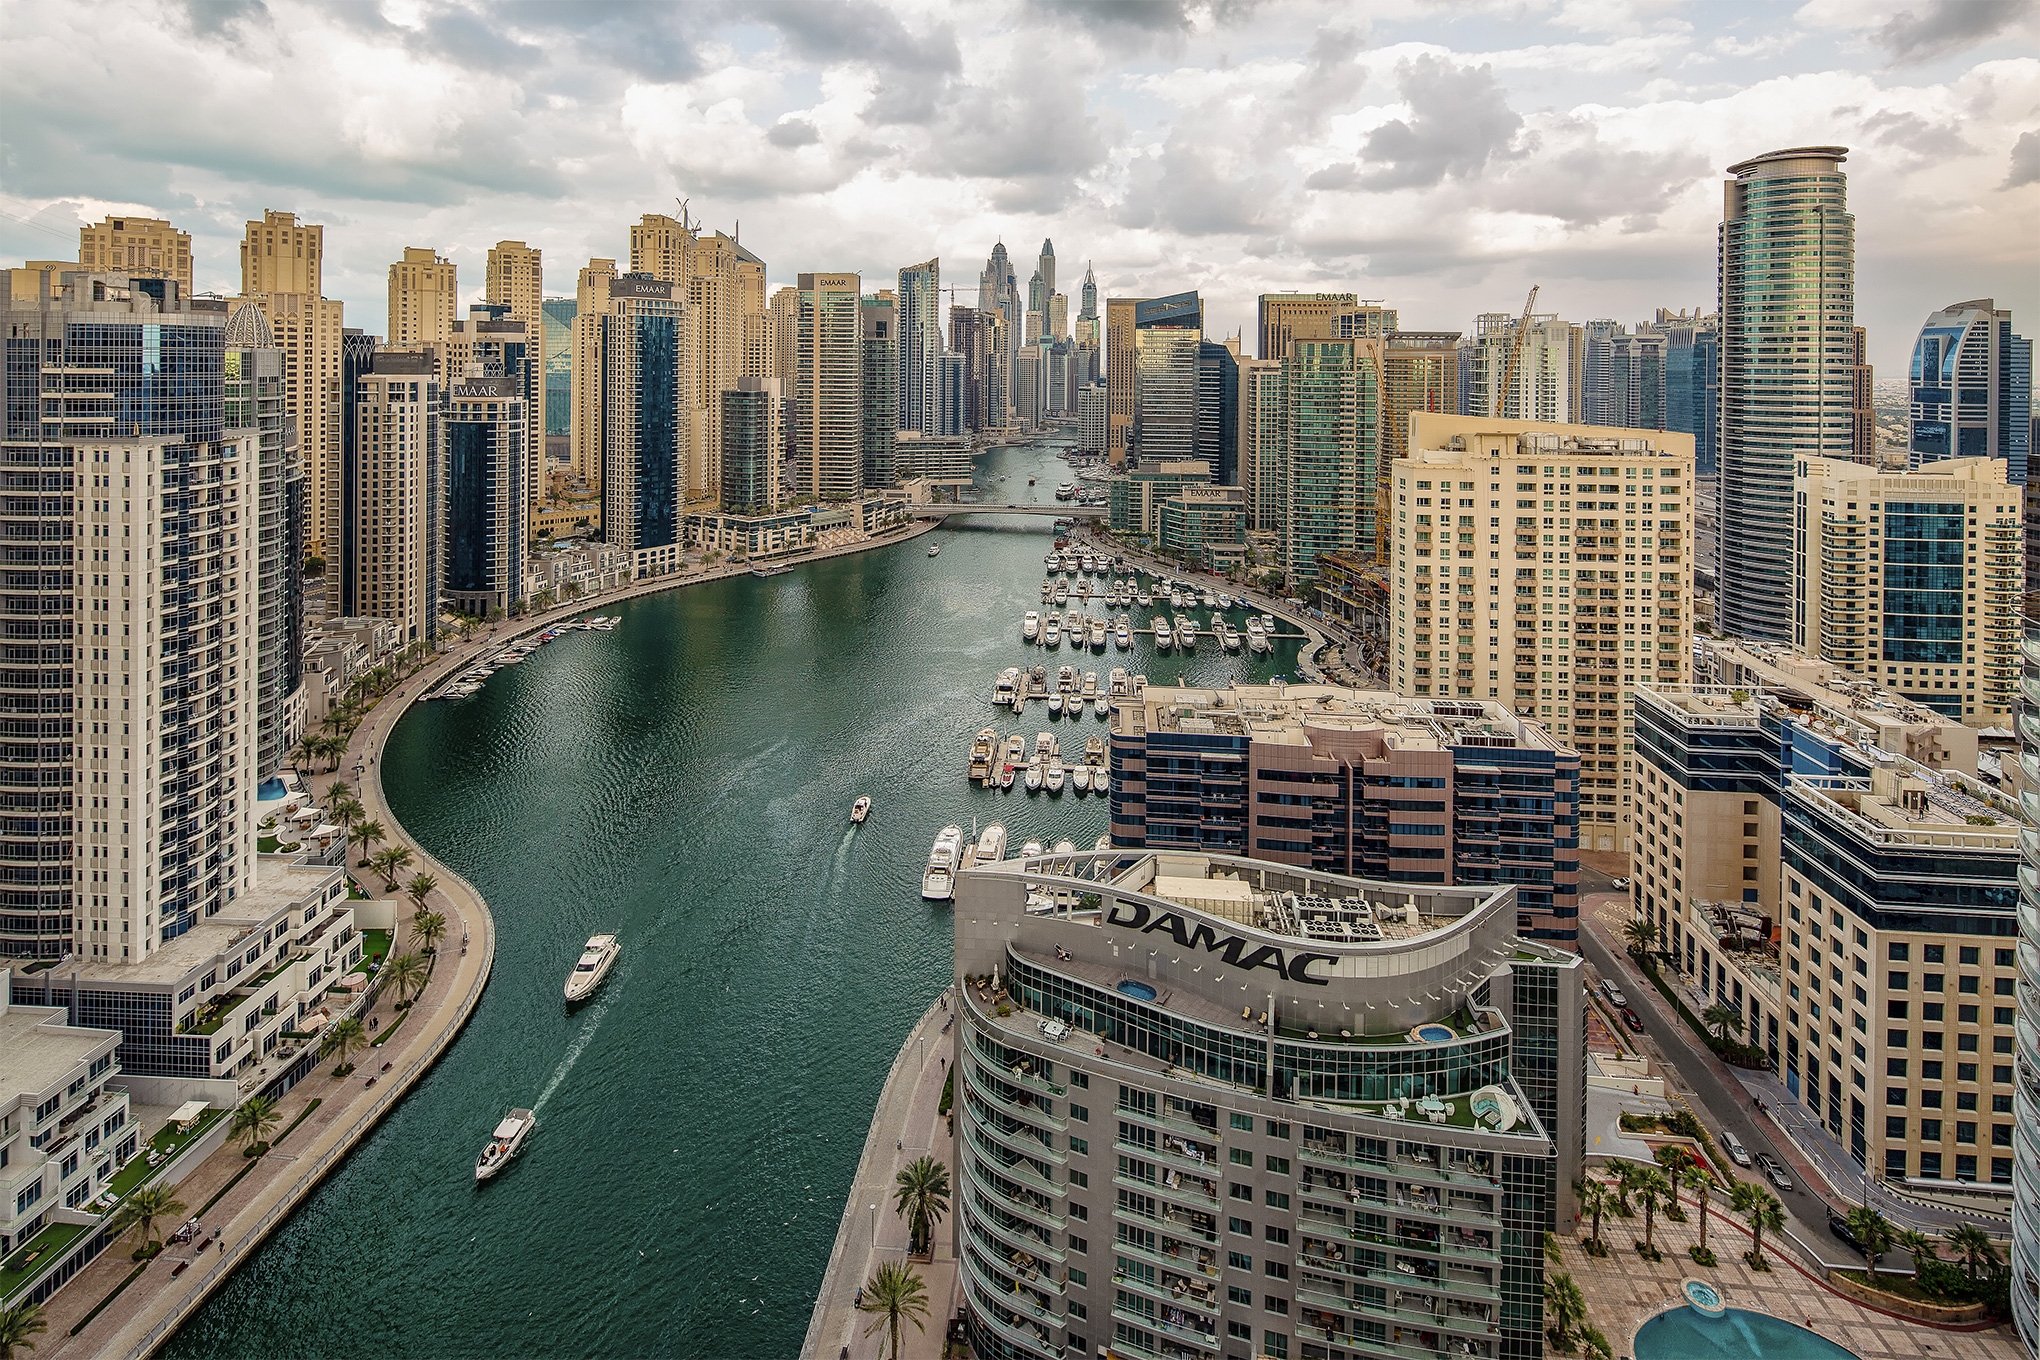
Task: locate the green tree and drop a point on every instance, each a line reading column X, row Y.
column 1720, row 1019
column 1762, row 1209
column 341, row 1040
column 347, row 812
column 429, row 928
column 1874, row 1233
column 1596, row 1344
column 17, row 1325
column 253, row 1120
column 1565, row 1309
column 409, row 974
column 894, row 1294
column 921, row 1196
column 1625, row 1185
column 1917, row 1245
column 1676, row 1162
column 419, row 888
column 1973, row 1248
column 1552, row 1250
column 390, row 862
column 1641, row 932
column 1594, row 1201
column 1703, row 1188
column 1651, row 1188
column 368, row 833
column 141, row 1210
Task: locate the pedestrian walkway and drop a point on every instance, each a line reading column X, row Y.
column 871, row 1232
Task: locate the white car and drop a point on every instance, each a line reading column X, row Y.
column 1618, row 883
column 1055, row 1031
column 1732, row 1145
column 1614, row 994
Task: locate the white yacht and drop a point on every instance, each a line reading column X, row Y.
column 1016, row 750
column 504, row 1143
column 860, row 809
column 1122, row 635
column 1165, row 637
column 1055, row 705
column 991, row 844
column 1008, row 685
column 1030, row 850
column 1098, row 635
column 1053, row 636
column 1061, row 594
column 1144, row 600
column 1034, row 778
column 938, row 880
column 1055, row 775
column 596, row 957
column 1030, row 627
column 1116, row 682
column 1080, row 779
column 1047, row 589
column 1186, row 632
column 1229, row 636
column 1257, row 636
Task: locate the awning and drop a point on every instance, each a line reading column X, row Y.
column 188, row 1111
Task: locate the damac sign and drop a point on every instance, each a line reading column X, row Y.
column 1238, row 952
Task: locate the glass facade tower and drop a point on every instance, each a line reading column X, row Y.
column 1788, row 314
column 2025, row 1258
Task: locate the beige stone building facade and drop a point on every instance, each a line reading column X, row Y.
column 399, row 449
column 424, row 299
column 592, row 304
column 140, row 247
column 828, row 387
column 1548, row 567
column 516, row 279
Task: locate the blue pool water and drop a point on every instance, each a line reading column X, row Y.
column 1139, row 991
column 1738, row 1334
column 1434, row 1034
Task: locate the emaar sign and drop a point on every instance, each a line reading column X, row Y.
column 1234, row 949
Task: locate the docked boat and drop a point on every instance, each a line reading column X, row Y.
column 860, row 809
column 1066, row 678
column 1090, row 684
column 1066, row 492
column 1044, row 747
column 504, row 1143
column 1060, row 595
column 1030, row 626
column 1144, row 600
column 1225, row 601
column 1055, row 705
column 991, row 844
column 1116, row 682
column 1097, row 635
column 1229, row 637
column 1165, row 636
column 1065, row 847
column 938, row 880
column 1186, row 632
column 1030, row 850
column 1007, row 687
column 1034, row 779
column 1094, row 752
column 766, row 572
column 1016, row 750
column 596, row 958
column 1006, row 776
column 1257, row 636
column 981, row 749
column 1080, row 779
column 1047, row 589
column 1056, row 775
column 1052, row 636
column 1122, row 635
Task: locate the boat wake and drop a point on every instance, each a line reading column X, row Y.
column 573, row 1053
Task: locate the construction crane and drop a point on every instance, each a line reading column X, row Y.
column 1515, row 350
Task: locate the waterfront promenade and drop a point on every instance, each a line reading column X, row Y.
column 871, row 1232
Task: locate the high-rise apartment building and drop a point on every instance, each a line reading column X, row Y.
column 1165, row 393
column 1972, row 388
column 786, row 334
column 645, row 429
column 135, row 765
column 1693, row 381
column 282, row 262
column 1059, row 316
column 1261, row 441
column 949, row 393
column 1136, row 495
column 252, row 380
column 139, row 247
column 516, row 282
column 1597, row 403
column 752, row 443
column 1091, row 418
column 558, row 325
column 878, row 378
column 2025, row 1253
column 1218, row 411
column 486, row 525
column 1330, row 451
column 1044, row 268
column 1913, row 580
column 1788, row 317
column 972, row 340
column 591, row 307
column 828, row 393
column 725, row 285
column 1862, row 400
column 1178, row 1176
column 1558, row 620
column 1315, row 316
column 1030, row 384
column 999, row 292
column 357, row 358
column 1419, row 372
column 1120, row 371
column 659, row 249
column 398, row 485
column 424, row 299
column 919, row 325
column 1540, row 386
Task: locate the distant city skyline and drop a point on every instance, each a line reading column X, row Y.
column 1441, row 163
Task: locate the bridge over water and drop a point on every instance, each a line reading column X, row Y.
column 1057, row 511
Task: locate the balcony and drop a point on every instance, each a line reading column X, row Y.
column 1199, row 1260
column 1032, row 1339
column 1175, row 1290
column 1018, row 1299
column 1204, row 1341
column 1027, row 1239
column 1018, row 1171
column 1175, row 1221
column 1026, row 1113
column 1038, row 1214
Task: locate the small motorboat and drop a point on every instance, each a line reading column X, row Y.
column 1056, row 775
column 1055, row 705
column 1030, row 850
column 1005, row 776
column 991, row 845
column 597, row 956
column 1080, row 779
column 504, row 1143
column 1030, row 626
column 860, row 809
column 934, row 548
column 1034, row 779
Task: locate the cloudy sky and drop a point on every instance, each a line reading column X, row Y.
column 1442, row 157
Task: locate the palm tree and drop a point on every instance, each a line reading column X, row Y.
column 254, row 1119
column 390, row 862
column 1720, row 1019
column 1874, row 1233
column 306, row 750
column 1565, row 1308
column 1973, row 1248
column 1651, row 1188
column 1553, row 1252
column 1703, row 1186
column 430, row 928
column 894, row 1293
column 420, row 887
column 921, row 1196
column 1641, row 932
column 338, row 789
column 409, row 973
column 1594, row 1200
column 346, row 811
column 1676, row 1162
column 1625, row 1182
column 1762, row 1209
column 143, row 1208
column 17, row 1325
column 368, row 833
column 343, row 1039
column 1917, row 1245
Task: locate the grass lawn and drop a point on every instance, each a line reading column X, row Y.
column 34, row 1256
column 375, row 947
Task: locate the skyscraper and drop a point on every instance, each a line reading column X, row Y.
column 139, row 247
column 949, row 393
column 751, row 446
column 282, row 263
column 424, row 298
column 999, row 292
column 1692, row 381
column 559, row 370
column 1044, row 265
column 1119, row 374
column 1972, row 387
column 395, row 496
column 970, row 337
column 1165, row 394
column 725, row 286
column 253, row 389
column 919, row 324
column 1862, row 400
column 1634, row 394
column 2025, row 1253
column 879, row 360
column 1541, row 384
column 828, row 392
column 117, row 837
column 1788, row 313
column 488, row 506
column 1260, row 441
column 1597, row 395
column 1088, row 307
column 644, row 429
column 1331, row 447
column 1218, row 412
column 516, row 280
column 591, row 307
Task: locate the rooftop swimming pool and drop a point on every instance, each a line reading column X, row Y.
column 1686, row 1333
column 1139, row 991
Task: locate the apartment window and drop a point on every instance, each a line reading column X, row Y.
column 1968, row 955
column 1276, row 1305
column 1965, row 1131
column 1277, row 1200
column 1080, row 1180
column 1239, row 1227
column 1238, row 1191
column 1279, row 1165
column 1278, row 1129
column 1894, row 1067
column 1894, row 1095
column 1243, row 1122
column 1898, row 952
column 1898, row 982
column 1930, row 1071
column 1894, row 1127
column 1241, row 1157
column 1239, row 1260
column 1896, row 1010
column 2004, row 958
column 1279, row 1236
column 1930, row 1132
column 1965, row 1015
column 1079, row 1245
column 1242, row 1331
column 1932, row 1011
column 1936, row 953
column 1081, row 1145
column 1276, row 1270
column 1243, row 1297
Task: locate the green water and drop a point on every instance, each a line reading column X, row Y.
column 685, row 781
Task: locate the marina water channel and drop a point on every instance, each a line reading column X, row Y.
column 685, row 781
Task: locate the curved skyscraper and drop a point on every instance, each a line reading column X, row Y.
column 2026, row 1090
column 1788, row 314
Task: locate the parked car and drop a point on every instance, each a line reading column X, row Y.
column 1632, row 1019
column 1618, row 883
column 1839, row 1226
column 1772, row 1171
column 1732, row 1145
column 1613, row 993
